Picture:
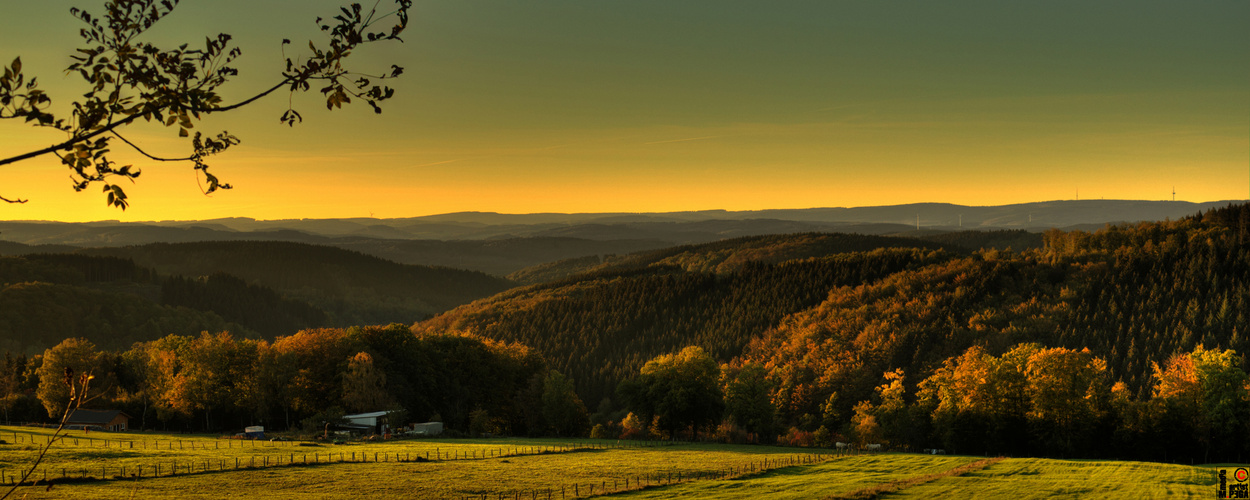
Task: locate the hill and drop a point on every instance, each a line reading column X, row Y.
column 35, row 316
column 501, row 244
column 725, row 255
column 831, row 323
column 351, row 287
column 600, row 326
column 254, row 289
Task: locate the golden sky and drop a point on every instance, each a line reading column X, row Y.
column 650, row 105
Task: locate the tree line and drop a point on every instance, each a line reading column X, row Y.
column 115, row 297
column 217, row 382
column 1030, row 400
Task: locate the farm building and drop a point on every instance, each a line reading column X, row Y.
column 427, row 429
column 111, row 420
column 375, row 422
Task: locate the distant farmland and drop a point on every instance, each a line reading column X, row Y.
column 192, row 467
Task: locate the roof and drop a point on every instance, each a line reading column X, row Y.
column 367, row 415
column 94, row 417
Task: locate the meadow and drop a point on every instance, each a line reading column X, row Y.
column 200, row 466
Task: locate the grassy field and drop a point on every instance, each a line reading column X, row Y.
column 1045, row 478
column 536, row 468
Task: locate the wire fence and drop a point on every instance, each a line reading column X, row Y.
column 170, row 468
column 196, row 465
column 144, row 444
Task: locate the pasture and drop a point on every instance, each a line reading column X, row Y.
column 203, row 467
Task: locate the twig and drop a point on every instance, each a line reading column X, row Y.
column 76, row 399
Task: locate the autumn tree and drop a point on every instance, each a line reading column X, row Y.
column 891, row 410
column 979, row 402
column 1069, row 395
column 128, row 79
column 364, row 385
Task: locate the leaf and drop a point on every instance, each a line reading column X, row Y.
column 182, row 132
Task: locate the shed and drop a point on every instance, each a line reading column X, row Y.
column 111, row 420
column 376, row 421
column 427, row 429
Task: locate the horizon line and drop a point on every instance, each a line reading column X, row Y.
column 118, row 221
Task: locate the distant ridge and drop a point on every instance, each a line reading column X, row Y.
column 486, row 225
column 500, row 244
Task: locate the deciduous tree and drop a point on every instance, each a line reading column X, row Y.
column 681, row 390
column 128, row 78
column 75, row 354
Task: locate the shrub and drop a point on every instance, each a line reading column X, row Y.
column 796, row 437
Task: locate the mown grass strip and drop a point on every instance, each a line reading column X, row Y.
column 873, row 492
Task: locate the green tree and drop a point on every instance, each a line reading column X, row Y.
column 563, row 410
column 130, row 79
column 748, row 399
column 215, row 374
column 1205, row 391
column 1225, row 401
column 680, row 390
column 73, row 355
column 11, row 382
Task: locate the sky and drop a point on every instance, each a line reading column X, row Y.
column 673, row 105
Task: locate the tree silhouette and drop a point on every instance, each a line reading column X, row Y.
column 129, row 79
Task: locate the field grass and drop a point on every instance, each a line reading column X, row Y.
column 534, row 468
column 530, row 465
column 817, row 481
column 1046, row 478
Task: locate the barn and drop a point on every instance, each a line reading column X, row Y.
column 374, row 422
column 109, row 420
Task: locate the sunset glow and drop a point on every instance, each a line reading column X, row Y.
column 648, row 106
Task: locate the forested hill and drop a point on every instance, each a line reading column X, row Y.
column 1134, row 295
column 601, row 326
column 253, row 289
column 353, row 288
column 730, row 255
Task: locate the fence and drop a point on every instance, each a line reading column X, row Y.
column 136, row 444
column 171, row 467
column 642, row 482
column 175, row 467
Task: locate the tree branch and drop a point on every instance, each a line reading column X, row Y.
column 243, row 103
column 131, row 118
column 145, row 153
column 71, row 142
